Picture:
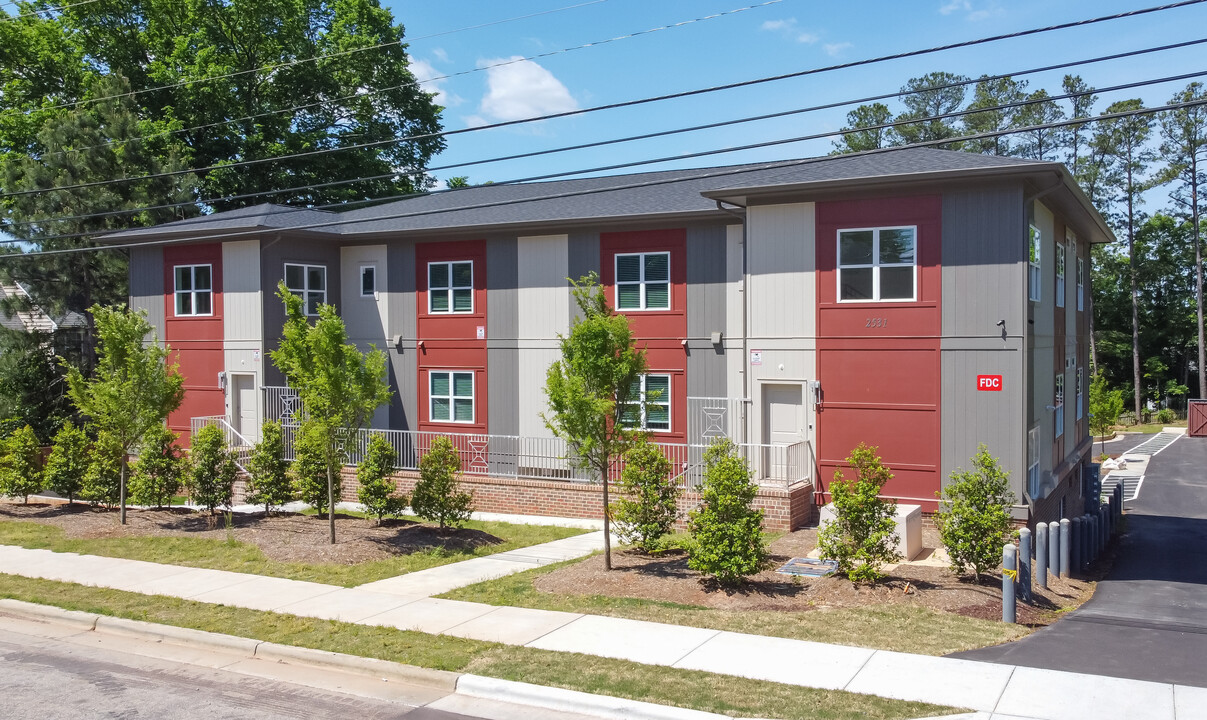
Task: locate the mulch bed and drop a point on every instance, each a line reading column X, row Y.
column 286, row 537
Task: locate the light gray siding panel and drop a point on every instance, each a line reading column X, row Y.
column 242, row 301
column 583, row 257
column 543, row 300
column 146, row 284
column 404, row 369
column 971, row 417
column 781, row 263
column 706, row 310
column 984, row 262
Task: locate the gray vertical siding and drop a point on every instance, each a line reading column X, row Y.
column 146, row 284
column 502, row 331
column 274, row 254
column 706, row 310
column 582, row 258
column 404, row 368
column 971, row 417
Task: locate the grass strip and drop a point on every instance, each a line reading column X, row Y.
column 618, row 678
column 901, row 628
column 237, row 556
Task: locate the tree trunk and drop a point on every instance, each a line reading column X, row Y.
column 607, row 518
column 1131, row 265
column 331, row 503
column 121, row 491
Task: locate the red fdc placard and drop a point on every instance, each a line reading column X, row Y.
column 989, row 383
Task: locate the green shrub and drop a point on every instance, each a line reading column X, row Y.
column 102, row 482
column 974, row 514
column 68, row 461
column 268, row 481
column 160, row 470
column 437, row 494
column 861, row 537
column 212, row 480
column 1165, row 416
column 309, row 468
column 727, row 533
column 21, row 465
column 648, row 507
column 376, row 491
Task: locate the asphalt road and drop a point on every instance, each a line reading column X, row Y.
column 1148, row 618
column 57, row 679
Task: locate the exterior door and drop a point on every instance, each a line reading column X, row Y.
column 243, row 405
column 1197, row 417
column 783, row 424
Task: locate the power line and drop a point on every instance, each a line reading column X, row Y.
column 629, row 103
column 60, row 8
column 380, row 91
column 718, row 172
column 645, row 136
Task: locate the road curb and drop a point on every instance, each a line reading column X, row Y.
column 438, row 679
column 173, row 635
column 33, row 611
column 572, row 701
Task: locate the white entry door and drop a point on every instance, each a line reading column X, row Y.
column 243, row 405
column 783, row 424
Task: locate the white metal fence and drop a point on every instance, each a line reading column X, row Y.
column 240, row 446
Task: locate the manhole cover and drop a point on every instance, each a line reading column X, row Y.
column 808, row 567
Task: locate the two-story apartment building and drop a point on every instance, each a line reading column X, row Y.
column 922, row 301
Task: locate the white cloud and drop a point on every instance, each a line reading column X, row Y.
column 989, row 9
column 835, row 49
column 424, row 72
column 955, row 6
column 522, row 89
column 788, row 28
column 440, row 54
column 777, row 25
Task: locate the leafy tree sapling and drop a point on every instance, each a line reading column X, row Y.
column 437, row 495
column 212, row 479
column 648, row 507
column 309, row 468
column 377, row 489
column 68, row 461
column 102, row 482
column 727, row 533
column 268, row 481
column 159, row 472
column 862, row 537
column 974, row 515
column 21, row 467
column 1105, row 407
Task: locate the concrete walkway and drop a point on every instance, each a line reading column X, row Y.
column 1003, row 690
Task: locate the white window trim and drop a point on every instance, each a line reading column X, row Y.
column 1034, row 271
column 452, row 411
column 1059, row 402
column 451, row 287
column 875, row 265
column 1080, row 283
column 1060, row 275
column 177, row 292
column 1033, row 484
column 642, row 403
column 305, row 289
column 363, row 268
column 1080, row 395
column 641, row 283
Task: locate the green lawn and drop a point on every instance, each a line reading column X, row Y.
column 885, row 627
column 247, row 558
column 618, row 678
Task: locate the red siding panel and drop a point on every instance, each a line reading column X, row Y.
column 195, row 340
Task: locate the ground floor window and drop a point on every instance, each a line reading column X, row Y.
column 451, row 396
column 649, row 406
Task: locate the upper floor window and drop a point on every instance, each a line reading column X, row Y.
column 450, row 287
column 1080, row 283
column 1060, row 405
column 308, row 282
column 194, row 290
column 368, row 280
column 643, row 281
column 649, row 406
column 1060, row 275
column 1080, row 394
column 451, row 396
column 877, row 264
column 1034, row 277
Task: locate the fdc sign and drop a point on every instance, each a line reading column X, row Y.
column 990, row 383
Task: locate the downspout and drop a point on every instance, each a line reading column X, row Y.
column 741, row 214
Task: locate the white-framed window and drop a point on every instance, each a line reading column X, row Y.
column 194, row 290
column 1080, row 394
column 1080, row 283
column 1060, row 275
column 368, row 281
column 643, row 281
column 308, row 282
column 1034, row 276
column 877, row 264
column 1033, row 462
column 1059, row 402
column 649, row 406
column 450, row 396
column 450, row 287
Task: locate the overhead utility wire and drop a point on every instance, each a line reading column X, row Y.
column 644, row 136
column 625, row 103
column 12, row 18
column 379, row 91
column 704, row 175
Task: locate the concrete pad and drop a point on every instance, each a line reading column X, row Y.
column 636, row 640
column 513, row 626
column 1190, row 703
column 193, row 582
column 942, row 681
column 347, row 605
column 441, row 579
column 793, row 662
column 130, row 575
column 264, row 593
column 429, row 615
column 1057, row 695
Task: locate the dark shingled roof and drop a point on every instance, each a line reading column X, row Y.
column 266, row 216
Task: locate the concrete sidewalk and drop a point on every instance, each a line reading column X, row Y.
column 1003, row 690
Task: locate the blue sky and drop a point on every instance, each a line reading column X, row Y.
column 771, row 39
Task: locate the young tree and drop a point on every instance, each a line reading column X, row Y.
column 1077, row 138
column 590, row 388
column 377, row 489
column 437, row 495
column 339, row 386
column 862, row 536
column 1040, row 143
column 68, row 461
column 21, row 466
column 649, row 505
column 268, row 470
column 1105, row 406
column 133, row 389
column 212, row 478
column 974, row 514
column 1184, row 149
column 309, row 468
column 103, row 481
column 727, row 533
column 865, row 129
column 160, row 469
column 988, row 98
